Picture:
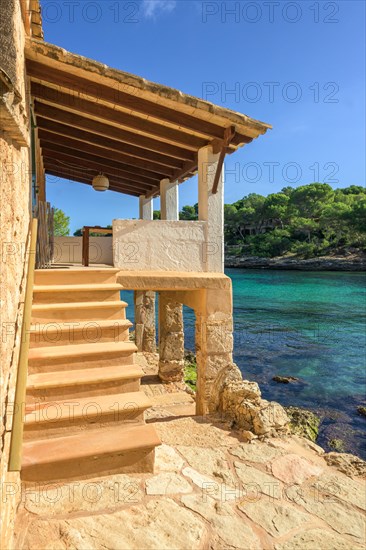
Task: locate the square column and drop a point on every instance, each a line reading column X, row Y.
column 211, row 209
column 145, row 329
column 171, row 333
column 146, row 208
column 169, row 200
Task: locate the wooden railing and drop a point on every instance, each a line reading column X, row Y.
column 45, row 215
column 15, row 459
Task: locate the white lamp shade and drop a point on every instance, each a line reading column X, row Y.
column 100, row 183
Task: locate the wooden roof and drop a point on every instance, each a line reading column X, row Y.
column 92, row 118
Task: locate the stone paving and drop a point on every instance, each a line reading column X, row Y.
column 210, row 490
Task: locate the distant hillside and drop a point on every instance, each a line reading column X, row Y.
column 308, row 221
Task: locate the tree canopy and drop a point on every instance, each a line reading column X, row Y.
column 61, row 223
column 309, row 220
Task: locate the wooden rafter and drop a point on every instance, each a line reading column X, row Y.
column 91, row 117
column 77, row 145
column 119, row 98
column 63, row 130
column 92, row 165
column 106, row 114
column 75, row 176
column 114, row 164
column 125, row 136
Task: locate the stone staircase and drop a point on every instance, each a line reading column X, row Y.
column 84, row 411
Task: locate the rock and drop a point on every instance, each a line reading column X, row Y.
column 248, row 436
column 308, row 444
column 227, row 526
column 244, row 391
column 167, row 459
column 228, row 383
column 294, row 469
column 303, row 422
column 276, row 518
column 241, row 402
column 317, row 538
column 337, row 444
column 190, row 356
column 270, row 418
column 285, row 379
column 257, row 451
column 159, row 524
column 167, row 484
column 349, row 464
column 361, row 410
column 333, row 263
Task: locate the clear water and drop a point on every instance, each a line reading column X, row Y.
column 310, row 325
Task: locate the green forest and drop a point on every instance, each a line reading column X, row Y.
column 310, row 220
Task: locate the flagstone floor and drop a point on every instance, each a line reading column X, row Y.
column 210, row 490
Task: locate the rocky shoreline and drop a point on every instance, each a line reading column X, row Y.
column 324, row 263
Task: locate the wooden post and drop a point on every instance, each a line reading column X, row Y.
column 86, row 246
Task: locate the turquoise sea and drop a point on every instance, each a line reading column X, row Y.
column 310, row 325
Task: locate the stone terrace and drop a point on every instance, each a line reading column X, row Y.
column 210, row 490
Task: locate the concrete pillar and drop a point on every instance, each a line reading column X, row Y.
column 211, row 209
column 145, row 329
column 171, row 330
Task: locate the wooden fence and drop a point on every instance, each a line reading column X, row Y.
column 45, row 242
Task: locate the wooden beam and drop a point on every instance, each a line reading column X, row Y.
column 229, row 136
column 102, row 141
column 79, row 179
column 125, row 136
column 78, row 84
column 114, row 182
column 49, row 137
column 103, row 113
column 129, row 171
column 91, row 169
column 153, row 193
column 80, row 175
column 187, row 171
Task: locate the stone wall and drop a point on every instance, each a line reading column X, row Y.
column 159, row 245
column 69, row 250
column 14, row 224
column 8, row 53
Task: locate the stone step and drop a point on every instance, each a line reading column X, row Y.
column 80, row 356
column 75, row 276
column 79, row 311
column 48, row 294
column 79, row 332
column 45, row 419
column 58, row 385
column 90, row 453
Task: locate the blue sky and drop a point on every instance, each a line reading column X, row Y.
column 299, row 66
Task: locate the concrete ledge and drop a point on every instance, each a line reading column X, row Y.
column 172, row 280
